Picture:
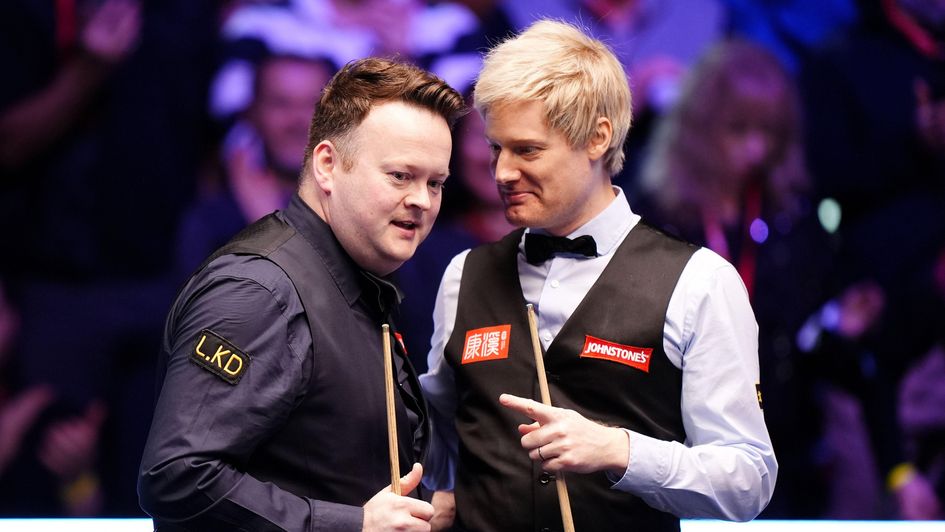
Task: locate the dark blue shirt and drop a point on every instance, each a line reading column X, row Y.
column 207, row 431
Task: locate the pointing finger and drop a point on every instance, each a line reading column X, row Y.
column 533, row 409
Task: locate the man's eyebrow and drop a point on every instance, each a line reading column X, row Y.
column 519, row 141
column 414, row 169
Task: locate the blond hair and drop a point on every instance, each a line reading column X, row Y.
column 577, row 78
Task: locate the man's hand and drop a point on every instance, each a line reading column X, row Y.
column 387, row 511
column 563, row 440
column 16, row 418
column 444, row 510
column 257, row 190
column 917, row 500
column 112, row 32
column 930, row 117
column 68, row 447
column 861, row 307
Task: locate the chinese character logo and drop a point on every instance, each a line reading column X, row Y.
column 488, row 343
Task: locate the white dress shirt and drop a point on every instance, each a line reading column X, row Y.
column 726, row 468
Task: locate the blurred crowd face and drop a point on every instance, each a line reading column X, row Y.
column 543, row 181
column 752, row 123
column 287, row 91
column 477, row 161
column 383, row 207
column 9, row 324
column 929, row 13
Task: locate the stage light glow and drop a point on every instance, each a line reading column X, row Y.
column 758, row 230
column 829, row 214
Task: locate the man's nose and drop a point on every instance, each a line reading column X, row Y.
column 419, row 196
column 504, row 169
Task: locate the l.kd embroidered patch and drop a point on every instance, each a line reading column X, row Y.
column 628, row 355
column 487, row 343
column 219, row 356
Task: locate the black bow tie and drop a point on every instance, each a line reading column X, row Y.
column 539, row 248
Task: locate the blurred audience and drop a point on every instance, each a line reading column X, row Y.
column 873, row 99
column 791, row 29
column 45, row 469
column 919, row 485
column 725, row 170
column 340, row 30
column 102, row 126
column 136, row 136
column 923, row 422
column 259, row 160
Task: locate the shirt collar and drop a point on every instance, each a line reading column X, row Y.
column 342, row 268
column 609, row 227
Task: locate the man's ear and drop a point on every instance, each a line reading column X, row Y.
column 600, row 140
column 325, row 161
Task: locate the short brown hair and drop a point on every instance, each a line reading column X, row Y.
column 362, row 84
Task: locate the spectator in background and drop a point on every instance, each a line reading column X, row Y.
column 860, row 340
column 340, row 30
column 874, row 98
column 102, row 121
column 726, row 171
column 461, row 63
column 472, row 214
column 869, row 98
column 45, row 469
column 37, row 113
column 260, row 157
column 790, row 29
column 922, row 419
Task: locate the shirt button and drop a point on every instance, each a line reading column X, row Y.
column 546, row 529
column 545, row 478
column 547, row 336
column 555, row 284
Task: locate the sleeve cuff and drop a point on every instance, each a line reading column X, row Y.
column 331, row 516
column 648, row 466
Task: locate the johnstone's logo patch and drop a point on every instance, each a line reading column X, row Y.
column 635, row 357
column 488, row 343
column 220, row 357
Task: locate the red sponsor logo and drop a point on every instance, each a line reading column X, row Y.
column 628, row 355
column 488, row 343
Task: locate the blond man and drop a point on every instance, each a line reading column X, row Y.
column 649, row 343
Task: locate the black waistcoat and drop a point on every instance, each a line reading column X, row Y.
column 498, row 487
column 333, row 446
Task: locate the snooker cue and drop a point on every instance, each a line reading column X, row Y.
column 563, row 500
column 391, row 414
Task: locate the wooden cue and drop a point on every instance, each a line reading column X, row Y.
column 563, row 500
column 391, row 412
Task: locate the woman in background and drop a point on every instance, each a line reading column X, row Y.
column 725, row 170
